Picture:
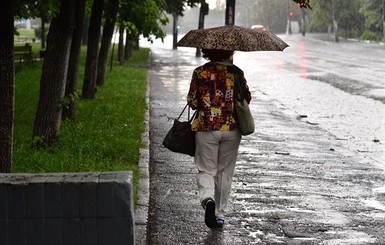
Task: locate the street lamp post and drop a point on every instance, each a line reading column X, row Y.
column 230, row 12
column 267, row 5
column 204, row 10
column 174, row 30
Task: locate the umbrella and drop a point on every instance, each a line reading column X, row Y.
column 233, row 38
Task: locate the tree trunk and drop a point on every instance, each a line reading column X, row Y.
column 121, row 45
column 69, row 108
column 128, row 46
column 335, row 23
column 383, row 18
column 89, row 83
column 7, row 84
column 303, row 23
column 42, row 34
column 108, row 31
column 136, row 42
column 54, row 75
column 86, row 26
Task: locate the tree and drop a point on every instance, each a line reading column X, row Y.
column 176, row 9
column 130, row 43
column 7, row 83
column 127, row 28
column 108, row 31
column 351, row 20
column 138, row 17
column 374, row 19
column 121, row 45
column 43, row 9
column 8, row 13
column 54, row 75
column 89, row 82
column 154, row 18
column 69, row 108
column 321, row 16
column 343, row 17
column 383, row 19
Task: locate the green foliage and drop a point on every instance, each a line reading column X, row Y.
column 321, row 16
column 139, row 58
column 143, row 17
column 350, row 20
column 351, row 24
column 71, row 98
column 154, row 17
column 32, row 9
column 373, row 15
column 355, row 18
column 23, row 36
column 106, row 135
column 303, row 3
column 368, row 35
column 29, row 33
column 177, row 7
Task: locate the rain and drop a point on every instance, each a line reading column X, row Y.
column 313, row 172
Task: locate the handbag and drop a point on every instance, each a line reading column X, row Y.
column 244, row 117
column 180, row 138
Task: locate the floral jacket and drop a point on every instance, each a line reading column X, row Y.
column 212, row 94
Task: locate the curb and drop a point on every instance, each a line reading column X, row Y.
column 141, row 210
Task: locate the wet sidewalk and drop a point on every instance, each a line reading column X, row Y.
column 294, row 182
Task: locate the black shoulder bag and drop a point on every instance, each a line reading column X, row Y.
column 244, row 117
column 180, row 138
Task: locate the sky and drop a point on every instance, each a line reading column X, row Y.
column 213, row 3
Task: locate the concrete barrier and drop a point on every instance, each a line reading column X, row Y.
column 67, row 209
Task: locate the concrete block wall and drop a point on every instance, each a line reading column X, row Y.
column 67, row 209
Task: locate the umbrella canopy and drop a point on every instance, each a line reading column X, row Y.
column 233, row 38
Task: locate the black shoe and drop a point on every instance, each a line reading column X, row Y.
column 210, row 218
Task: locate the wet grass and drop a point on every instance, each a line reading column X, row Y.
column 106, row 135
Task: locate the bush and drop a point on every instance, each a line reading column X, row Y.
column 368, row 35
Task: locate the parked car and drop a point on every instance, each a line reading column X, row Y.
column 258, row 27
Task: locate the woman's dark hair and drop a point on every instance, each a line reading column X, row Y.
column 217, row 54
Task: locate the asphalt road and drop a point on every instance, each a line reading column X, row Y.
column 338, row 86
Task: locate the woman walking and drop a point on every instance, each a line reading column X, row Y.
column 217, row 135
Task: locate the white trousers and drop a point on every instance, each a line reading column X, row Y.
column 215, row 157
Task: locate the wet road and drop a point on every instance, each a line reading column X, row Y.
column 339, row 86
column 299, row 180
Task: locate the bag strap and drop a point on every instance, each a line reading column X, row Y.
column 188, row 113
column 238, row 91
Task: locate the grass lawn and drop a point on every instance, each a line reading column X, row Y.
column 24, row 36
column 106, row 135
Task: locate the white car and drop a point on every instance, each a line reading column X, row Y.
column 258, row 27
